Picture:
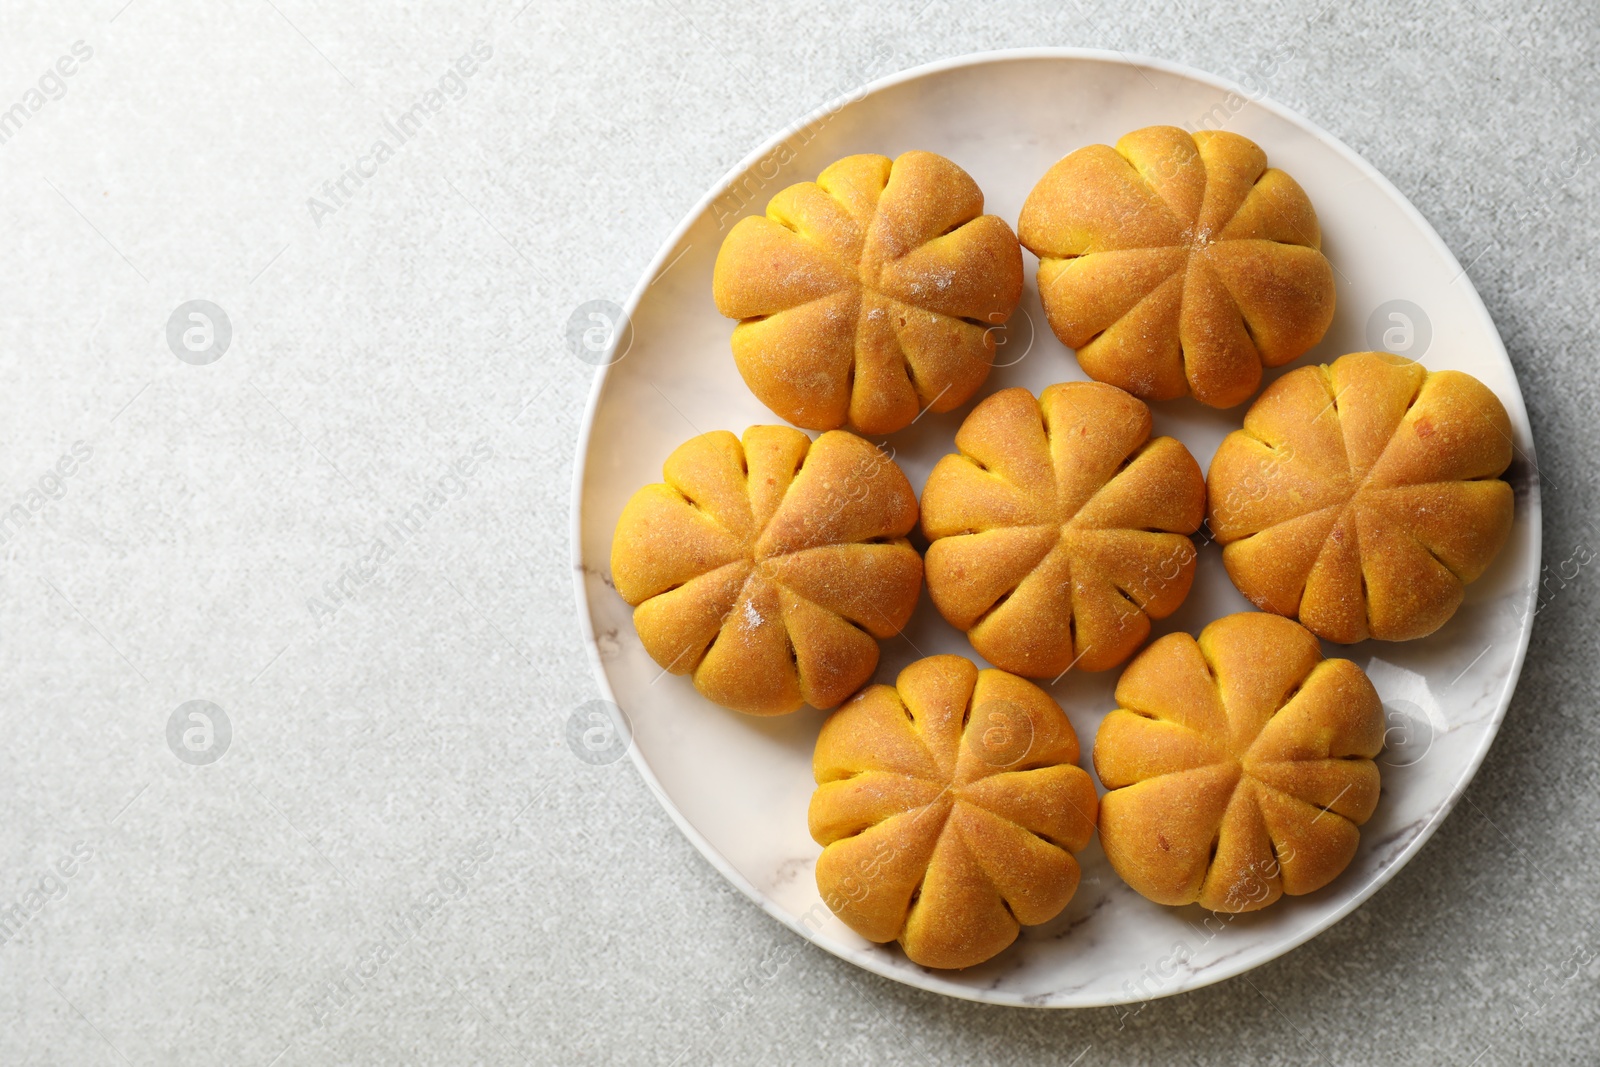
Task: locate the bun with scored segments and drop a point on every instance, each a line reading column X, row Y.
column 769, row 568
column 1238, row 766
column 1363, row 497
column 1178, row 263
column 869, row 295
column 1060, row 528
column 949, row 807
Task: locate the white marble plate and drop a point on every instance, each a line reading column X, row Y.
column 739, row 786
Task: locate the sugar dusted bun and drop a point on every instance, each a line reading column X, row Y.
column 1178, row 263
column 1239, row 766
column 949, row 807
column 1362, row 497
column 1061, row 528
column 870, row 294
column 768, row 567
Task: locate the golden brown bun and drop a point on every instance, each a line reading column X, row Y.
column 1047, row 530
column 948, row 808
column 767, row 568
column 870, row 294
column 1178, row 264
column 1363, row 497
column 1238, row 766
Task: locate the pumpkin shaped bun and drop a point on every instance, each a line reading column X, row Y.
column 1178, row 263
column 949, row 807
column 869, row 295
column 1238, row 767
column 1362, row 497
column 1060, row 529
column 768, row 568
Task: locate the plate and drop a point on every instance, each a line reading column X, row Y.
column 739, row 786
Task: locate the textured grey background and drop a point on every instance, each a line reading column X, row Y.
column 398, row 809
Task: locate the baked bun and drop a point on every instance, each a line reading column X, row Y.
column 1238, row 766
column 1178, row 263
column 870, row 294
column 766, row 568
column 1363, row 497
column 949, row 807
column 1060, row 529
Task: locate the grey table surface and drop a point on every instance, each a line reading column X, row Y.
column 397, row 860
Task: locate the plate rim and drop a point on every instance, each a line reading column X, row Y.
column 931, row 981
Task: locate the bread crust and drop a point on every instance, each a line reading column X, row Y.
column 1060, row 529
column 949, row 807
column 1238, row 767
column 769, row 568
column 1178, row 264
column 1363, row 497
column 869, row 295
